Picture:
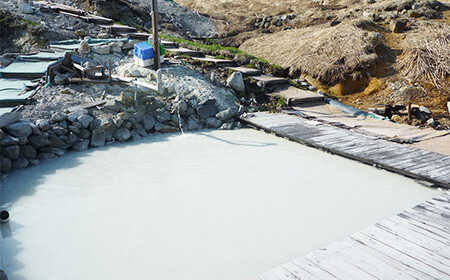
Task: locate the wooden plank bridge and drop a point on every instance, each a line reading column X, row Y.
column 411, row 245
column 371, row 149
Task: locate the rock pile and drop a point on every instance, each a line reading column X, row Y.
column 267, row 21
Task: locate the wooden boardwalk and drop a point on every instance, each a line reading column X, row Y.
column 406, row 160
column 414, row 244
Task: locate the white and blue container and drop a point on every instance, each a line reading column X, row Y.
column 143, row 54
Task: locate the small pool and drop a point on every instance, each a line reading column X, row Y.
column 223, row 205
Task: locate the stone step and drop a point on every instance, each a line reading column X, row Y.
column 216, row 61
column 188, row 52
column 267, row 80
column 246, row 71
column 295, row 96
column 116, row 28
column 98, row 20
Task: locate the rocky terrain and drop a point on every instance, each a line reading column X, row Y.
column 364, row 53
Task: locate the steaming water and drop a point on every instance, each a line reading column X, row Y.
column 211, row 205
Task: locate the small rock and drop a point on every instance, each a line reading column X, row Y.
column 2, row 134
column 43, row 125
column 39, row 141
column 149, row 123
column 74, row 129
column 81, row 146
column 11, row 152
column 105, row 49
column 9, row 140
column 162, row 115
column 130, row 45
column 207, row 111
column 26, row 8
column 58, row 130
column 57, row 143
column 85, row 120
column 134, row 73
column 98, row 138
column 116, row 49
column 431, row 122
column 398, row 26
column 414, row 14
column 84, row 134
column 81, row 33
column 47, row 156
column 28, row 151
column 53, row 150
column 5, row 164
column 396, row 118
column 34, row 161
column 335, row 22
column 226, row 114
column 58, row 117
column 9, row 118
column 193, row 124
column 73, row 117
column 213, row 122
column 19, row 129
column 135, row 136
column 163, row 128
column 20, row 163
column 227, row 126
column 236, row 82
column 122, row 134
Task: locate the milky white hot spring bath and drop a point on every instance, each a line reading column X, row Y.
column 210, row 205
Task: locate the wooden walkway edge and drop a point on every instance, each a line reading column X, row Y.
column 395, row 157
column 414, row 244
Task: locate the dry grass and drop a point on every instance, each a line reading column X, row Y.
column 328, row 54
column 426, row 55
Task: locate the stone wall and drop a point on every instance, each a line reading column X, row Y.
column 25, row 143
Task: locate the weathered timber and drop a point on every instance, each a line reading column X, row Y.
column 395, row 157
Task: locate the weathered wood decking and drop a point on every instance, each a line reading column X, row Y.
column 414, row 244
column 409, row 161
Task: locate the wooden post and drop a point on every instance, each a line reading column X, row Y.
column 157, row 63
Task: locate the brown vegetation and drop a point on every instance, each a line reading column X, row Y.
column 328, row 54
column 426, row 56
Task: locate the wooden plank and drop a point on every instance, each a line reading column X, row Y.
column 408, row 265
column 372, row 265
column 411, row 249
column 337, row 266
column 313, row 268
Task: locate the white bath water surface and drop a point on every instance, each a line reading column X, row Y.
column 223, row 205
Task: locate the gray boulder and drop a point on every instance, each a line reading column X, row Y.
column 59, row 130
column 122, row 134
column 39, row 141
column 81, row 146
column 20, row 163
column 8, row 118
column 149, row 123
column 105, row 49
column 43, row 125
column 2, row 134
column 207, row 111
column 5, row 164
column 226, row 114
column 19, row 129
column 11, row 152
column 28, row 151
column 85, row 120
column 34, row 161
column 9, row 140
column 213, row 122
column 236, row 82
column 84, row 134
column 163, row 128
column 162, row 115
column 98, row 138
column 53, row 150
column 47, row 156
column 193, row 124
column 58, row 117
column 72, row 117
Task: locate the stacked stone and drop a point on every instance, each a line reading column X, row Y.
column 24, row 143
column 267, row 21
